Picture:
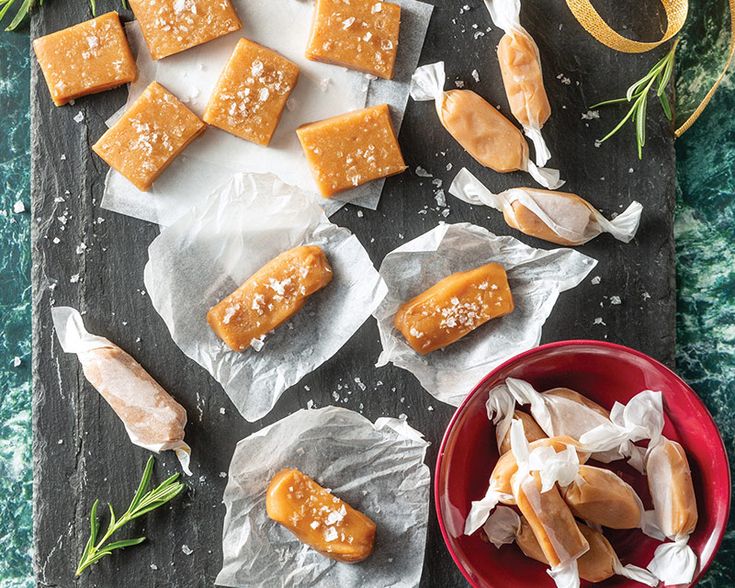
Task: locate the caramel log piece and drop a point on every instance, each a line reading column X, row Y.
column 578, row 215
column 579, row 399
column 485, row 134
column 506, row 465
column 596, row 565
column 453, row 307
column 252, row 92
column 172, row 26
column 551, row 521
column 360, row 34
column 87, row 58
column 601, row 497
column 149, row 136
column 351, row 149
column 524, row 83
column 324, row 522
column 270, row 297
column 671, row 488
column 530, row 428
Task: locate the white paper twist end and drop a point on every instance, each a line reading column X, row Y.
column 427, row 82
column 481, row 509
column 183, row 453
column 565, row 575
column 624, row 226
column 634, row 573
column 502, row 526
column 505, row 13
column 542, row 153
column 468, row 188
column 547, row 177
column 674, row 563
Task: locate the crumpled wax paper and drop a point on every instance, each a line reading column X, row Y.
column 376, row 468
column 536, row 278
column 322, row 91
column 214, row 248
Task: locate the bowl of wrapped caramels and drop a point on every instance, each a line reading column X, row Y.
column 578, row 463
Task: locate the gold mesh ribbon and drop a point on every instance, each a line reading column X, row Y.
column 676, row 14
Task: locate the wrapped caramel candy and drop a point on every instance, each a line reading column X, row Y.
column 152, row 418
column 557, row 217
column 520, row 66
column 601, row 497
column 454, row 307
column 270, row 297
column 549, row 517
column 501, row 411
column 675, row 510
column 601, row 562
column 499, row 487
column 318, row 518
column 485, row 133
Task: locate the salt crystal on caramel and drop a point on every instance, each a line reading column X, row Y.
column 87, row 58
column 359, row 34
column 270, row 297
column 252, row 92
column 172, row 26
column 149, row 136
column 316, row 517
column 453, row 307
column 351, row 149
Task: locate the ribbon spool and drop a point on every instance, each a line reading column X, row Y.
column 676, row 14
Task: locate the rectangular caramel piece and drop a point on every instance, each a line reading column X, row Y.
column 173, row 26
column 251, row 92
column 351, row 149
column 270, row 297
column 149, row 136
column 358, row 34
column 453, row 307
column 87, row 58
column 318, row 518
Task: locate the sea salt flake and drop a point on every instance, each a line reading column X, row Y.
column 79, row 117
column 590, row 115
column 16, row 361
column 74, row 279
column 596, row 280
column 615, row 300
column 475, row 75
column 186, row 549
column 19, row 207
column 422, row 173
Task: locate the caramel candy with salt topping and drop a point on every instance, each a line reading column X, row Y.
column 601, row 497
column 523, row 80
column 252, row 92
column 351, row 149
column 172, row 26
column 453, row 307
column 360, row 34
column 550, row 519
column 324, row 522
column 149, row 136
column 87, row 58
column 484, row 132
column 270, row 297
column 530, row 429
column 671, row 488
column 507, row 466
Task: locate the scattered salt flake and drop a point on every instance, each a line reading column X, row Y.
column 449, row 167
column 81, row 248
column 564, row 79
column 646, row 296
column 430, row 408
column 615, row 300
column 590, row 115
column 16, row 361
column 475, row 75
column 56, row 240
column 74, row 279
column 223, row 474
column 440, row 198
column 62, row 219
column 459, row 83
column 630, row 170
column 309, row 404
column 359, row 383
column 422, row 173
column 186, row 549
column 60, row 442
column 599, row 321
column 154, row 567
column 257, row 344
column 348, row 22
column 79, row 117
column 222, row 410
column 330, row 534
column 63, row 157
column 19, row 207
column 360, row 214
column 596, row 280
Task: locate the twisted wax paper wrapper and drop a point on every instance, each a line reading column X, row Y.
column 575, row 220
column 152, row 418
column 376, row 468
column 213, row 249
column 536, row 278
column 323, row 91
column 428, row 84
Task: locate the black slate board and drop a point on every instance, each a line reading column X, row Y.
column 81, row 450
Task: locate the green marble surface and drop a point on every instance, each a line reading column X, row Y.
column 705, row 231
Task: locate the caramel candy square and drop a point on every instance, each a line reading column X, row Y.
column 149, row 136
column 173, row 26
column 358, row 34
column 318, row 518
column 351, row 149
column 87, row 58
column 251, row 92
column 453, row 307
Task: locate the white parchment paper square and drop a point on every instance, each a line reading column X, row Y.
column 322, row 91
column 376, row 468
column 211, row 250
column 536, row 278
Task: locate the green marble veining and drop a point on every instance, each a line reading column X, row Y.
column 15, row 314
column 705, row 231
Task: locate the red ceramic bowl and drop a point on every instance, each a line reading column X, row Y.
column 605, row 373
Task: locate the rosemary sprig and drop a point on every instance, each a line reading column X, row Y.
column 143, row 502
column 658, row 77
